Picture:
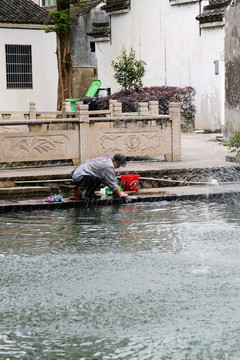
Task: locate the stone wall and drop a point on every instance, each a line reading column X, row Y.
column 232, row 63
column 168, row 178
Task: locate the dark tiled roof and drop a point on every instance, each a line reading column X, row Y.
column 114, row 5
column 214, row 11
column 100, row 30
column 79, row 9
column 216, row 2
column 83, row 7
column 22, row 12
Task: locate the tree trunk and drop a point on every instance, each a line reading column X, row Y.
column 64, row 68
column 64, row 58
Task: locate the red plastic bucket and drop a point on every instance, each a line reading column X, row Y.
column 130, row 182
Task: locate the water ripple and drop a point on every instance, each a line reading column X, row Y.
column 138, row 281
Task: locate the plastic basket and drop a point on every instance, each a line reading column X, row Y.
column 130, row 182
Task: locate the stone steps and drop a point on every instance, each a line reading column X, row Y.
column 24, row 192
column 220, row 192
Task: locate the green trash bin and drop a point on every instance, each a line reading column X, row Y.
column 93, row 89
column 73, row 103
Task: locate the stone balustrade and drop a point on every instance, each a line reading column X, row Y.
column 43, row 136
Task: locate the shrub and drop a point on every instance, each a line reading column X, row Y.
column 234, row 143
column 163, row 94
column 128, row 71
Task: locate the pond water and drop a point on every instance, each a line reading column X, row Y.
column 137, row 281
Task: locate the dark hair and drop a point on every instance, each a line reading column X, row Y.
column 121, row 159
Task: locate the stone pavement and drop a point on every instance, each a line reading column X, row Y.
column 145, row 195
column 198, row 151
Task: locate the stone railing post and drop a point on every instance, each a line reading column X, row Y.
column 82, row 113
column 111, row 106
column 175, row 118
column 153, row 107
column 32, row 111
column 117, row 109
column 142, row 110
column 33, row 116
column 153, row 110
column 64, row 110
column 64, row 116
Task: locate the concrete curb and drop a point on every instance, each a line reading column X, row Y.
column 209, row 193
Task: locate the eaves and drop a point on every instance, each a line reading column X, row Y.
column 22, row 26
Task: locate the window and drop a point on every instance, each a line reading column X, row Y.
column 48, row 2
column 92, row 46
column 19, row 66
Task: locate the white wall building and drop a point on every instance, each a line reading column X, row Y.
column 28, row 62
column 179, row 50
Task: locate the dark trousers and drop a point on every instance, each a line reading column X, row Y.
column 90, row 183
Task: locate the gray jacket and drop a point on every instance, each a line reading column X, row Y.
column 101, row 168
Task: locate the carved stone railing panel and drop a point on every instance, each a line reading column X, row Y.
column 39, row 146
column 83, row 137
column 151, row 141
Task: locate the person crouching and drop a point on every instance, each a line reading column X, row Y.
column 93, row 172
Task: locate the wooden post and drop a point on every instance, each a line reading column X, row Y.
column 175, row 117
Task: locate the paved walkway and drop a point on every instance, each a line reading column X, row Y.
column 198, row 151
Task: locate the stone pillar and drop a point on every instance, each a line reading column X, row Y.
column 175, row 117
column 117, row 112
column 33, row 116
column 117, row 109
column 153, row 107
column 111, row 106
column 78, row 103
column 153, row 110
column 142, row 110
column 32, row 111
column 82, row 111
column 64, row 110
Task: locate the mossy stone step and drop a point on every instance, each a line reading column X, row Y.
column 23, row 192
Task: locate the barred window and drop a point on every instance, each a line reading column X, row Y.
column 19, row 66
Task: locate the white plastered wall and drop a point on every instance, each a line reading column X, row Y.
column 168, row 39
column 44, row 67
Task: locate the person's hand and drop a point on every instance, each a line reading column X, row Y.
column 120, row 193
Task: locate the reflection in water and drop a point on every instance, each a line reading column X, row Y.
column 136, row 281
